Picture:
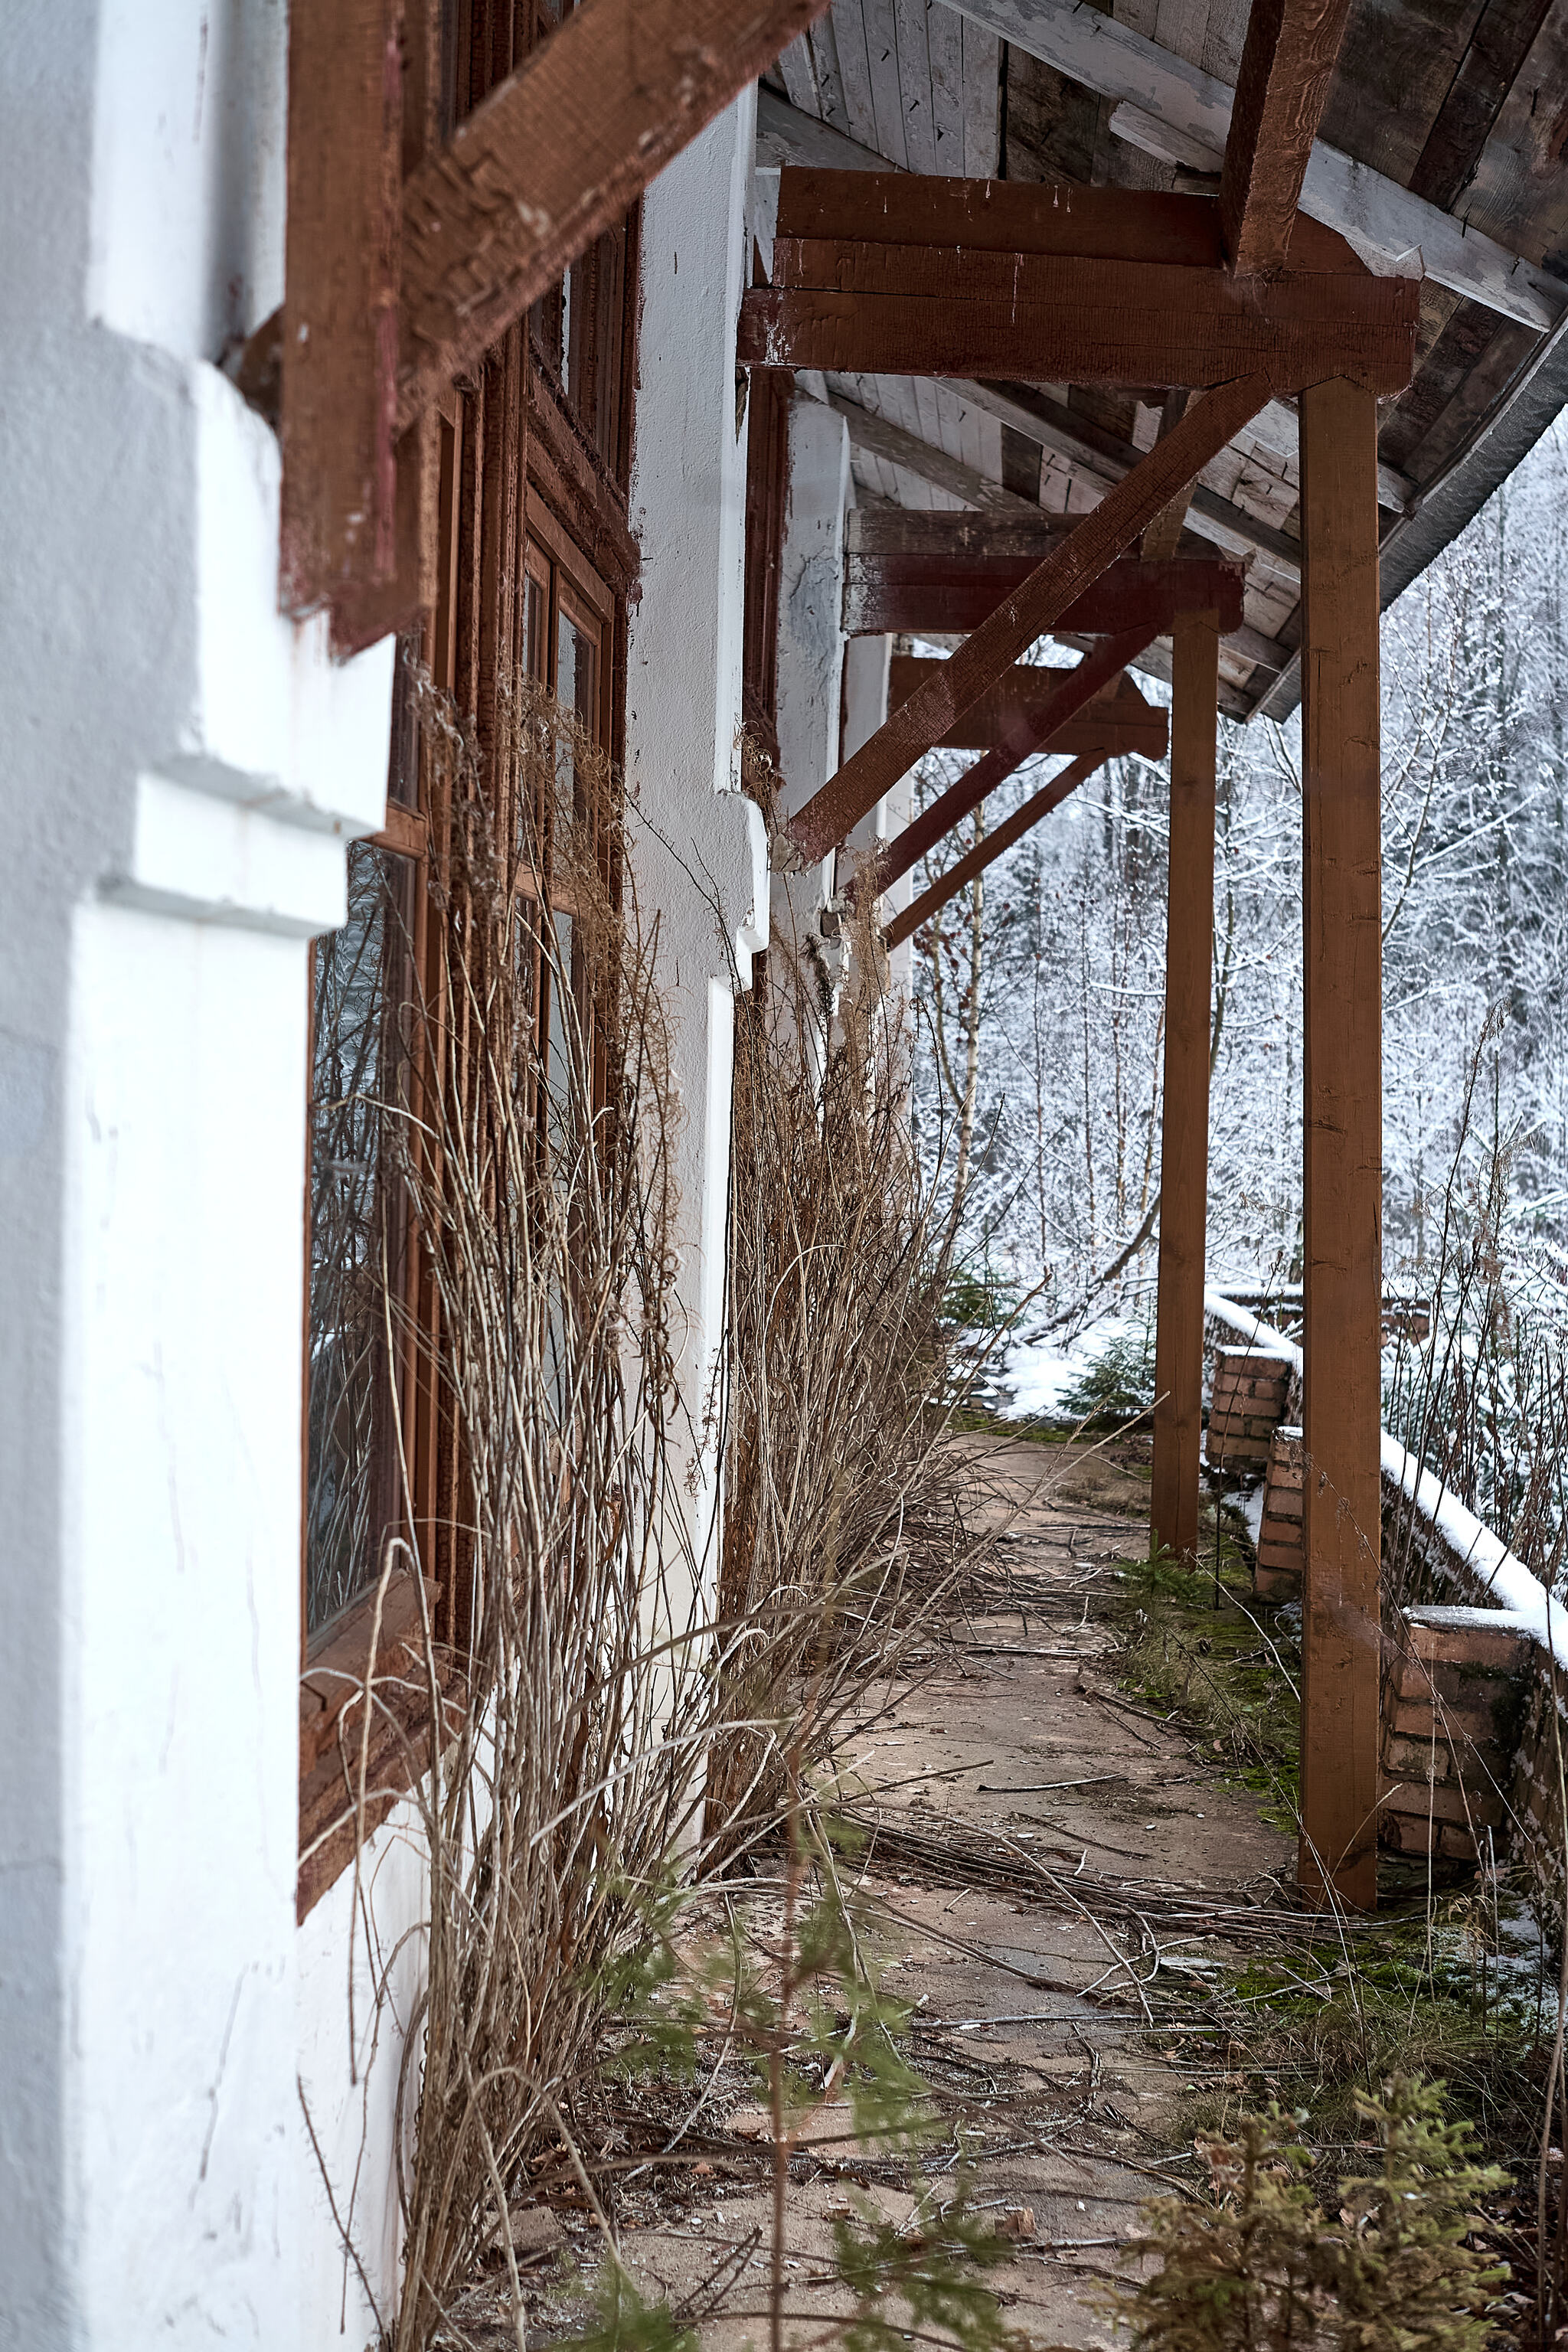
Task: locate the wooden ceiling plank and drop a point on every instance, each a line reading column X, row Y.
column 879, row 438
column 1500, row 40
column 882, row 59
column 1287, row 65
column 945, row 39
column 855, row 72
column 914, row 84
column 830, row 97
column 1065, row 434
column 981, row 99
column 1029, row 613
column 797, row 71
column 1162, row 99
column 993, row 845
column 555, row 156
column 786, row 135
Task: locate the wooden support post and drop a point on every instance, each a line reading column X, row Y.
column 1343, row 1174
column 1185, row 1130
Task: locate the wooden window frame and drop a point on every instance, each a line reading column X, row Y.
column 519, row 472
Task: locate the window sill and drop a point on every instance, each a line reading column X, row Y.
column 333, row 1751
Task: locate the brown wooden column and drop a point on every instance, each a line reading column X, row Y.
column 1342, row 1171
column 1185, row 1130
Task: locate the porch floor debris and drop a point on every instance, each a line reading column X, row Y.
column 1025, row 2023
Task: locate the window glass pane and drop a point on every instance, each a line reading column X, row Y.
column 362, row 985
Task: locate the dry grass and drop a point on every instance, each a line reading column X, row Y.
column 606, row 1724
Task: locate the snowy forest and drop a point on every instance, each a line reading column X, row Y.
column 1039, row 994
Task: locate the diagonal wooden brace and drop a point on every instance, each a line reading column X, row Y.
column 909, row 733
column 555, row 156
column 975, row 861
column 1021, row 743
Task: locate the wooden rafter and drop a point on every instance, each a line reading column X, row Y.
column 1032, row 736
column 1287, row 65
column 878, row 437
column 986, row 851
column 1177, row 111
column 555, row 156
column 1031, row 611
column 1118, row 719
column 933, row 597
column 1106, row 456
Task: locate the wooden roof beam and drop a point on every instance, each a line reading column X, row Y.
column 1030, row 612
column 555, row 156
column 1118, row 722
column 888, row 274
column 928, row 597
column 1034, row 735
column 986, row 850
column 1175, row 111
column 1286, row 64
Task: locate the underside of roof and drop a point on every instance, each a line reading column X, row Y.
column 1439, row 150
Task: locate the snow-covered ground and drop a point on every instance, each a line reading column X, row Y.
column 1041, row 1372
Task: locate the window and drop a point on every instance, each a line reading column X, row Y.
column 534, row 564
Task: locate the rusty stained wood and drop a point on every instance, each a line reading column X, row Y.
column 1035, row 733
column 1119, row 719
column 924, row 596
column 1031, row 611
column 1185, row 1114
column 338, row 351
column 1286, row 64
column 991, row 846
column 558, row 153
column 1343, row 1160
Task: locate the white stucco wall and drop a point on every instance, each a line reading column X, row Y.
column 700, row 853
column 182, row 770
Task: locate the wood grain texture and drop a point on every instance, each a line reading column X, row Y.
column 1119, row 719
column 932, row 596
column 1342, row 1143
column 1033, row 734
column 1184, row 1111
column 880, row 436
column 1179, row 109
column 557, row 154
column 1287, row 65
column 1030, row 612
column 1500, row 43
column 908, row 310
column 1069, row 433
column 991, row 846
column 338, row 354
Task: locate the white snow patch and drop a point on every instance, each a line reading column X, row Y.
column 1487, row 1557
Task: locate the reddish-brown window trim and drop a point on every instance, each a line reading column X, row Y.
column 516, row 464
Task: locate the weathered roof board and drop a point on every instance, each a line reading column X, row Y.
column 1467, row 106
